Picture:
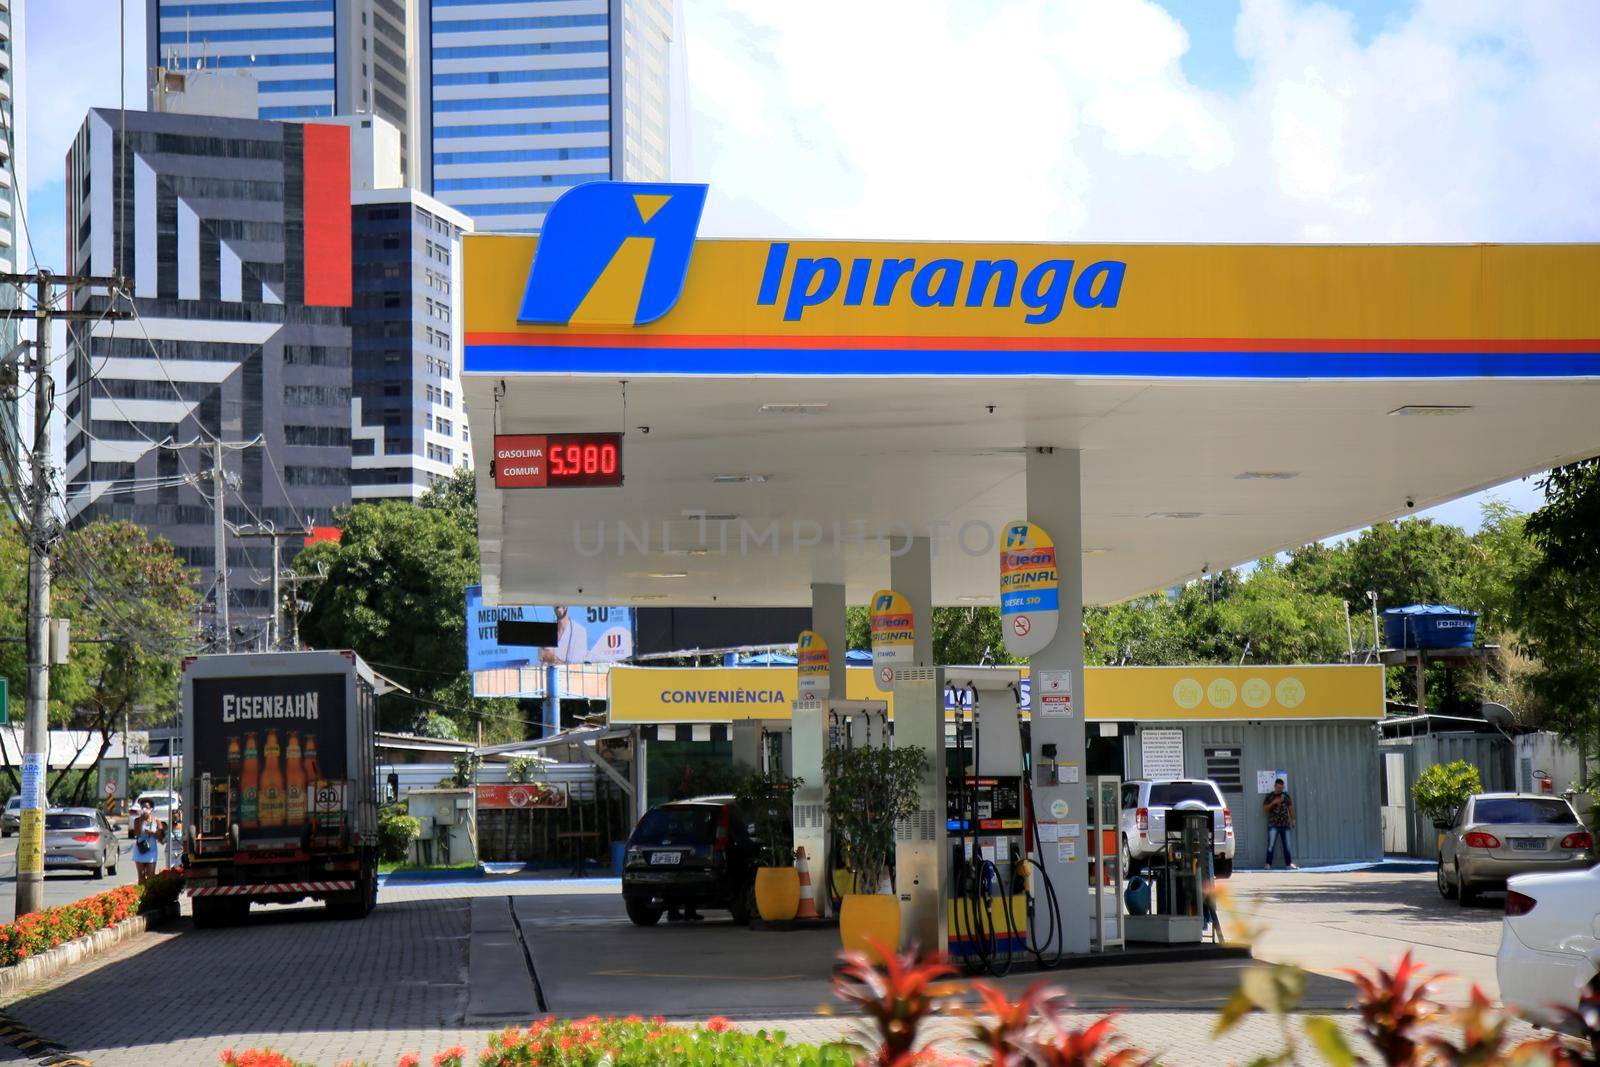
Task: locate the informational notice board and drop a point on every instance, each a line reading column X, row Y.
column 1161, row 753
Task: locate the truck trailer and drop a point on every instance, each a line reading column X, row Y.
column 281, row 786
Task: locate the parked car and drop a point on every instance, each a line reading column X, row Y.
column 11, row 818
column 690, row 854
column 81, row 838
column 1550, row 942
column 1496, row 835
column 159, row 800
column 1144, row 820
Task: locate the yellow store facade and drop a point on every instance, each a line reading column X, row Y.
column 1242, row 727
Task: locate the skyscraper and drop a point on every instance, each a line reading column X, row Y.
column 236, row 234
column 502, row 104
column 13, row 187
column 409, row 425
column 531, row 97
column 312, row 58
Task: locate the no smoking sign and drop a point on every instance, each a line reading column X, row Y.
column 1021, row 625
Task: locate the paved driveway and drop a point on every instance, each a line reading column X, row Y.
column 1327, row 921
column 440, row 965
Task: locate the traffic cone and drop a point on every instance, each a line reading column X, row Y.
column 808, row 896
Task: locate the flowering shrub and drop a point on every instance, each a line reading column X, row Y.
column 1404, row 1025
column 40, row 931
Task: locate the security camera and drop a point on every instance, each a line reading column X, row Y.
column 1410, row 503
column 643, row 429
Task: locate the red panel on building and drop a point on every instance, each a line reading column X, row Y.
column 327, row 212
column 320, row 534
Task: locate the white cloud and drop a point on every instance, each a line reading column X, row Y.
column 70, row 65
column 1061, row 120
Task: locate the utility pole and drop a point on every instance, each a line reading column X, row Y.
column 267, row 530
column 40, row 535
column 220, row 543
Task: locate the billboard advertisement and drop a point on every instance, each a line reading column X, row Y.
column 584, row 634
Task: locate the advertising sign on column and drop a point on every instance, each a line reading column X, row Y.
column 1030, row 589
column 811, row 656
column 893, row 636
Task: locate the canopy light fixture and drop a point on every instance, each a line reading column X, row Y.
column 1270, row 476
column 797, row 407
column 975, row 599
column 667, row 574
column 709, row 516
column 739, row 479
column 648, row 596
column 1431, row 409
column 1096, row 551
column 1173, row 515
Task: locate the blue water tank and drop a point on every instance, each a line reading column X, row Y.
column 1429, row 626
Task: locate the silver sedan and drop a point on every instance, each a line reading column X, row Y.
column 79, row 838
column 1497, row 835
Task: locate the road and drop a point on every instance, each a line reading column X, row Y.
column 60, row 887
column 1324, row 922
column 437, row 965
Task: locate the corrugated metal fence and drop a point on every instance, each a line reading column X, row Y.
column 1489, row 753
column 1332, row 773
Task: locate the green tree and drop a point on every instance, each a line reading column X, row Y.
column 129, row 602
column 456, row 496
column 1556, row 606
column 394, row 592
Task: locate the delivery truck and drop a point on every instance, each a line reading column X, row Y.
column 280, row 783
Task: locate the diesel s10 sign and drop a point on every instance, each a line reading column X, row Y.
column 555, row 460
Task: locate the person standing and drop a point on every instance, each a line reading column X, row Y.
column 1279, row 809
column 149, row 833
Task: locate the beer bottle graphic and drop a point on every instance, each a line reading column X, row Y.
column 294, row 784
column 250, row 785
column 272, row 800
column 313, row 776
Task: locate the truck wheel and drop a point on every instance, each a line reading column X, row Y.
column 1223, row 867
column 1466, row 896
column 359, row 902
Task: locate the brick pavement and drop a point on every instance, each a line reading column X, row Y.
column 397, row 982
column 320, row 988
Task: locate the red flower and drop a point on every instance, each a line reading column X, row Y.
column 717, row 1024
column 408, row 1059
column 454, row 1052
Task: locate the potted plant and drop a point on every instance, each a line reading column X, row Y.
column 1439, row 793
column 870, row 789
column 767, row 800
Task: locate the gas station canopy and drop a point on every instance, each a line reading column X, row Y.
column 793, row 408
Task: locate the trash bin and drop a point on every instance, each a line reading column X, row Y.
column 619, row 854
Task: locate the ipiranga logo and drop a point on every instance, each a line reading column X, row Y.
column 613, row 254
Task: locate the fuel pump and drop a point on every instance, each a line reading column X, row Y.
column 987, row 822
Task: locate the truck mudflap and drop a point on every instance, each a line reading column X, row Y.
column 272, row 889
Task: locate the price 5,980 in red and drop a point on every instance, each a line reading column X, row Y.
column 549, row 461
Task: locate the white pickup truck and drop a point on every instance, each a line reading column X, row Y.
column 1144, row 819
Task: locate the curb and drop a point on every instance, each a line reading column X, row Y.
column 447, row 874
column 52, row 962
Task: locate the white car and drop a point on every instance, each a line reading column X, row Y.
column 1144, row 819
column 1550, row 942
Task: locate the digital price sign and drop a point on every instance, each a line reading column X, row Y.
column 557, row 460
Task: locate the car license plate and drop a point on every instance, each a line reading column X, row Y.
column 665, row 859
column 1530, row 844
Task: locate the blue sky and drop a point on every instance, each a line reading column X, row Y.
column 1134, row 120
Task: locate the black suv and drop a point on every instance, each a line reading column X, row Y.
column 690, row 854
